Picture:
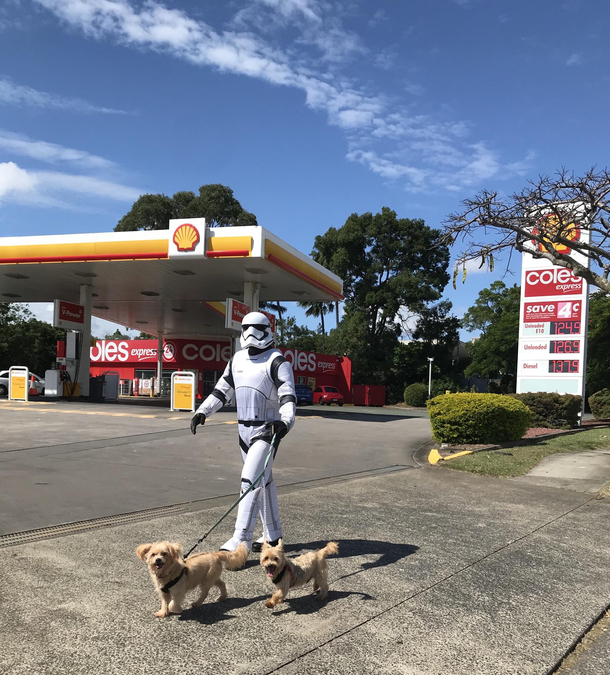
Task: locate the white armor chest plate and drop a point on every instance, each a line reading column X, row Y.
column 255, row 393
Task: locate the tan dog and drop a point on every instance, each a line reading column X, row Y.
column 174, row 577
column 287, row 574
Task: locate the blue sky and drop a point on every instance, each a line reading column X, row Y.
column 309, row 109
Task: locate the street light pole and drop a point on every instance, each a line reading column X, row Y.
column 430, row 359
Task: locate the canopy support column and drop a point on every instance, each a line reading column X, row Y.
column 159, row 362
column 85, row 346
column 251, row 294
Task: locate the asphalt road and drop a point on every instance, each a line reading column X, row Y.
column 65, row 462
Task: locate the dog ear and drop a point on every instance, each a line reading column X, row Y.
column 280, row 544
column 265, row 546
column 142, row 550
column 176, row 549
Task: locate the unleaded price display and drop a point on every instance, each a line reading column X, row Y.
column 564, row 366
column 565, row 327
column 564, row 347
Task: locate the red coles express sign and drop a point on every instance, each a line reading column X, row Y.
column 554, row 281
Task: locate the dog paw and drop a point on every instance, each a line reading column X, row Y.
column 161, row 615
column 269, row 604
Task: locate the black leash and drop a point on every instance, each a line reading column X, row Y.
column 256, row 480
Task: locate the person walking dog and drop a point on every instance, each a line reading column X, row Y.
column 263, row 384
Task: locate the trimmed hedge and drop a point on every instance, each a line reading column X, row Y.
column 600, row 404
column 416, row 395
column 552, row 411
column 478, row 418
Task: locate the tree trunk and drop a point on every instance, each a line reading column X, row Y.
column 322, row 319
column 337, row 313
column 279, row 313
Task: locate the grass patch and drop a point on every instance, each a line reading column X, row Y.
column 518, row 460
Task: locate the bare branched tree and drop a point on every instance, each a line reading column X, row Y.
column 542, row 220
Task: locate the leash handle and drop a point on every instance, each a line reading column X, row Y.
column 254, row 484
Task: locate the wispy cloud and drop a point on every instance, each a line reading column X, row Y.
column 574, row 60
column 387, row 138
column 17, row 144
column 45, row 188
column 22, row 96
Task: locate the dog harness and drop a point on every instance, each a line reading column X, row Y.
column 280, row 576
column 173, row 582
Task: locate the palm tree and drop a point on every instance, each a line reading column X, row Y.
column 275, row 307
column 317, row 309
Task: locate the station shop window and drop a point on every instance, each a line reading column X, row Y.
column 301, row 379
column 210, row 377
column 148, row 374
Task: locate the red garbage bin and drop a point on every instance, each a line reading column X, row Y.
column 368, row 394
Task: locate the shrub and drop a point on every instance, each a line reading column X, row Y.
column 478, row 418
column 416, row 395
column 440, row 386
column 600, row 404
column 552, row 411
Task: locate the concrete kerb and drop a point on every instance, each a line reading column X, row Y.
column 435, row 455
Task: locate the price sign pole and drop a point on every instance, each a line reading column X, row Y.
column 553, row 323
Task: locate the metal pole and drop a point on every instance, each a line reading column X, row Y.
column 430, row 359
column 159, row 361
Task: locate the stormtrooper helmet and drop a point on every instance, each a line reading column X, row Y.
column 256, row 331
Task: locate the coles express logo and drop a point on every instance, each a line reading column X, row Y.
column 555, row 281
column 307, row 361
column 119, row 351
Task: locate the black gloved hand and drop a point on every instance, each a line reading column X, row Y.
column 280, row 429
column 198, row 418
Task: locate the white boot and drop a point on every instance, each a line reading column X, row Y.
column 234, row 542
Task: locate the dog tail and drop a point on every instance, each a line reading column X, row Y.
column 234, row 560
column 332, row 548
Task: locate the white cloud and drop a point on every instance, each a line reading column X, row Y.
column 52, row 153
column 41, row 187
column 574, row 60
column 15, row 179
column 19, row 95
column 382, row 135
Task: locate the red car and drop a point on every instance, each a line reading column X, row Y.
column 327, row 395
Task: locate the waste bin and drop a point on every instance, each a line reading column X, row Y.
column 368, row 394
column 96, row 388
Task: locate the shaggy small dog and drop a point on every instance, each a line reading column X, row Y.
column 174, row 577
column 287, row 574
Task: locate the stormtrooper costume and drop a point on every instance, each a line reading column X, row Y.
column 263, row 384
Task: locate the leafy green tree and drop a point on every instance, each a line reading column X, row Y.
column 215, row 203
column 495, row 313
column 117, row 335
column 294, row 336
column 435, row 335
column 387, row 263
column 26, row 341
column 598, row 345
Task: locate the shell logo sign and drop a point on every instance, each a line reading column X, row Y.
column 187, row 238
column 550, row 225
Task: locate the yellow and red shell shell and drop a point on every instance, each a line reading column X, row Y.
column 186, row 237
column 548, row 226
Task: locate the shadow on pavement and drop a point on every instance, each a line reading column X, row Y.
column 309, row 604
column 216, row 611
column 349, row 416
column 388, row 552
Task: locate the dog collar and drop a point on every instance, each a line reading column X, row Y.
column 280, row 576
column 173, row 582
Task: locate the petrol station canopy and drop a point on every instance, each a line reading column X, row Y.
column 170, row 282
